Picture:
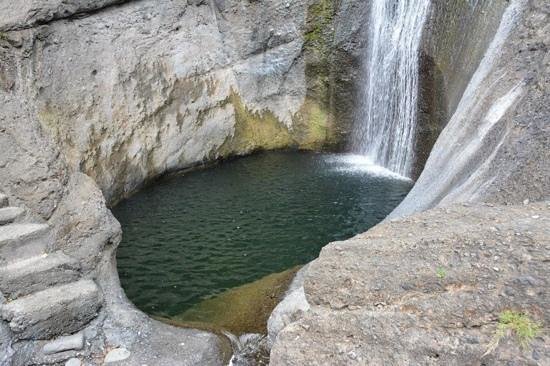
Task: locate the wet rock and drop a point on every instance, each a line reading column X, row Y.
column 494, row 148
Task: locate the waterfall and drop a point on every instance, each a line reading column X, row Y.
column 386, row 118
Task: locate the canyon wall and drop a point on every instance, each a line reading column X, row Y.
column 130, row 91
column 494, row 147
column 455, row 39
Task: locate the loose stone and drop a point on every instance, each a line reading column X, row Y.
column 117, row 354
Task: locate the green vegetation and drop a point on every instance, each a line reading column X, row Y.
column 321, row 17
column 519, row 324
column 441, row 273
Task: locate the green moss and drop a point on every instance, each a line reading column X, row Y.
column 254, row 130
column 320, row 19
column 315, row 118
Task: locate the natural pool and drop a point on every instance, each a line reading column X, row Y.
column 193, row 236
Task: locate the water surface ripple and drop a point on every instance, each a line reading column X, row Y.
column 190, row 237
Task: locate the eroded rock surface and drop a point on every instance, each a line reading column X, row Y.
column 495, row 148
column 427, row 290
column 98, row 97
column 128, row 92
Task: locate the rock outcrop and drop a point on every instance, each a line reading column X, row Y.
column 427, row 290
column 99, row 97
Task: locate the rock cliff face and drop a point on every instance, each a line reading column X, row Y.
column 495, row 146
column 455, row 39
column 129, row 92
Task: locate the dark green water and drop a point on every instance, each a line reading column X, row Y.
column 192, row 236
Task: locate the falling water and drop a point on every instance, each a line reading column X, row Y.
column 386, row 118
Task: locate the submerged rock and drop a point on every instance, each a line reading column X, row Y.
column 241, row 310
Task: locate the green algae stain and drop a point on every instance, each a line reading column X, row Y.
column 319, row 20
column 254, row 130
column 315, row 117
column 314, row 126
column 312, row 129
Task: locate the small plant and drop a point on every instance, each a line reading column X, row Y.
column 441, row 273
column 519, row 324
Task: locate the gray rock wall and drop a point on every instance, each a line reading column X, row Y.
column 128, row 92
column 495, row 146
column 29, row 13
column 100, row 97
column 456, row 36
